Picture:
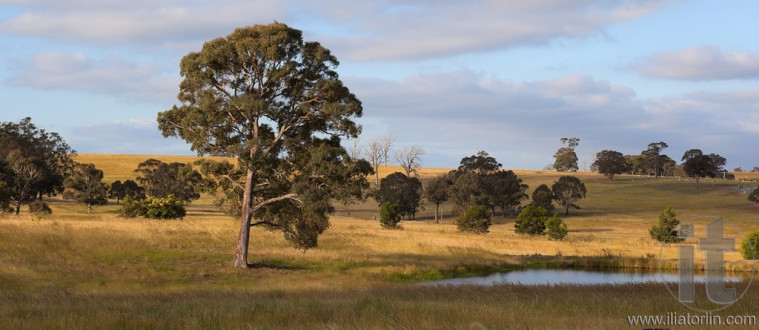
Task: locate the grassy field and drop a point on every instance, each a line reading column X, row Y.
column 74, row 270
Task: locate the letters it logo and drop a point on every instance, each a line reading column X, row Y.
column 714, row 246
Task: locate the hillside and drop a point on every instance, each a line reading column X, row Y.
column 77, row 270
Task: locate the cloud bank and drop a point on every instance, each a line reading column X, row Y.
column 701, row 63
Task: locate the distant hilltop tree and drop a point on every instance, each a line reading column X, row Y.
column 653, row 159
column 697, row 165
column 611, row 163
column 566, row 158
column 481, row 163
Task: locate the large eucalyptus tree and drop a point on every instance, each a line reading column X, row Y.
column 275, row 102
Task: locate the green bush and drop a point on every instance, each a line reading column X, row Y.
column 557, row 229
column 168, row 207
column 666, row 231
column 133, row 208
column 750, row 246
column 390, row 216
column 475, row 219
column 40, row 208
column 532, row 221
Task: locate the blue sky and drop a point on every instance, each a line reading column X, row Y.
column 452, row 77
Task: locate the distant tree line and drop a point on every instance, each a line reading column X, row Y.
column 694, row 163
column 35, row 163
column 478, row 190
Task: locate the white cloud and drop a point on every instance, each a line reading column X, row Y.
column 110, row 76
column 701, row 63
column 141, row 22
column 455, row 114
column 362, row 30
column 424, row 29
column 458, row 113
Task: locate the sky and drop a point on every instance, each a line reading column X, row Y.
column 451, row 77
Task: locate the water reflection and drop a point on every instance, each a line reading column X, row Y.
column 575, row 277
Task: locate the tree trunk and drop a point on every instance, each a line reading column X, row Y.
column 697, row 182
column 18, row 207
column 437, row 207
column 89, row 208
column 566, row 209
column 376, row 175
column 243, row 239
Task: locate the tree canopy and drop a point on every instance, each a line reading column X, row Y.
column 481, row 163
column 697, row 165
column 275, row 102
column 86, row 186
column 128, row 188
column 505, row 190
column 436, row 191
column 542, row 197
column 163, row 179
column 568, row 190
column 611, row 163
column 653, row 159
column 400, row 190
column 36, row 161
column 566, row 158
column 468, row 189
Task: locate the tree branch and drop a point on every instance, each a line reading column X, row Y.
column 274, row 200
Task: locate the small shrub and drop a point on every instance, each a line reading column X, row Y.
column 475, row 219
column 666, row 231
column 750, row 246
column 390, row 216
column 168, row 207
column 40, row 208
column 557, row 229
column 133, row 208
column 531, row 221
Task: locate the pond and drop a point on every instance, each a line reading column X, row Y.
column 574, row 277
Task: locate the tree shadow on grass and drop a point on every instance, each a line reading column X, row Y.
column 590, row 230
column 268, row 265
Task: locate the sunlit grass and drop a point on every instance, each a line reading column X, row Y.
column 74, row 270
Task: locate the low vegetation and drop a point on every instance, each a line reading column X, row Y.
column 666, row 229
column 390, row 216
column 750, row 246
column 474, row 219
column 556, row 228
column 74, row 269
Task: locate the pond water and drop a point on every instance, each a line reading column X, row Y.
column 564, row 276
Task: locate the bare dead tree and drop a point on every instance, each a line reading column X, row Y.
column 386, row 143
column 373, row 152
column 355, row 148
column 409, row 159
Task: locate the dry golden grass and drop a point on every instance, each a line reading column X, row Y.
column 74, row 270
column 121, row 167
